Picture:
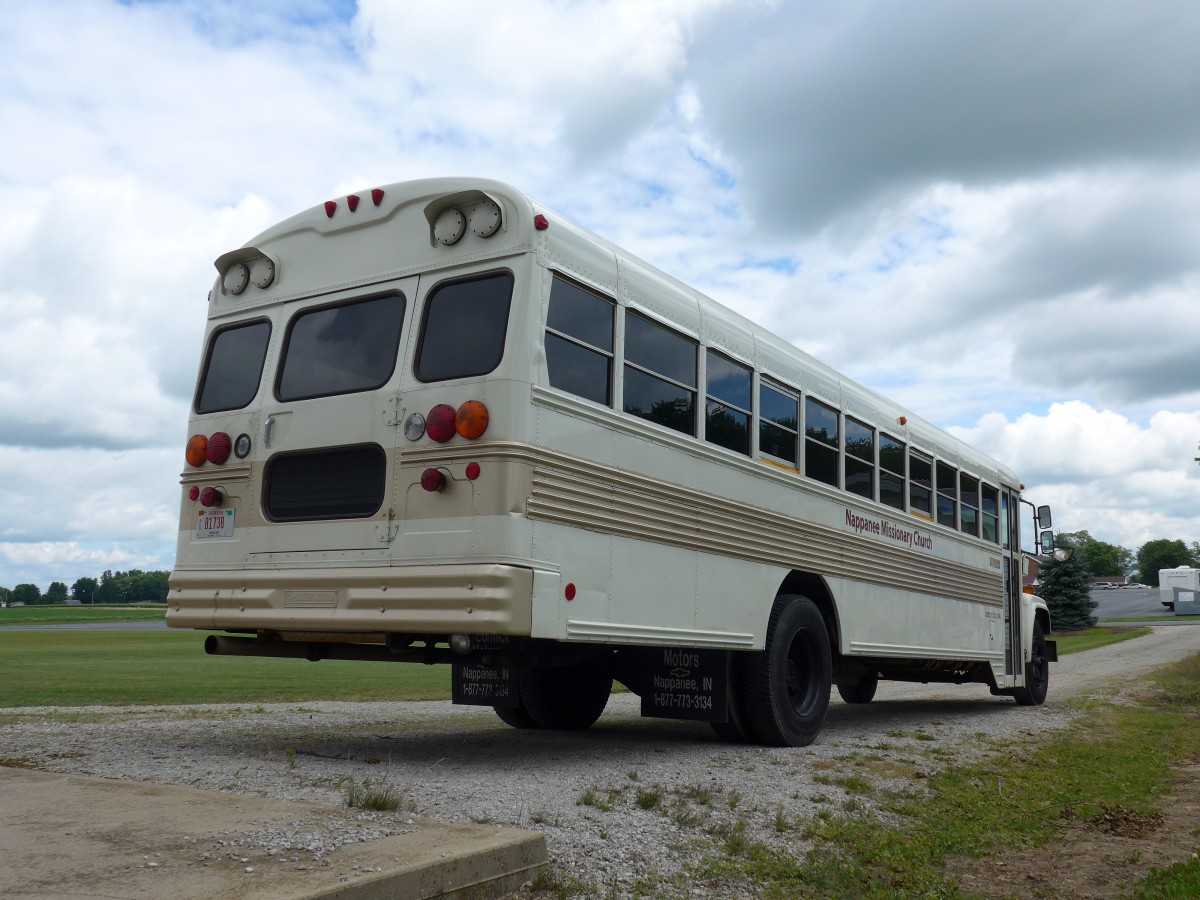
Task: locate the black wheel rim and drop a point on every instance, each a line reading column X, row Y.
column 803, row 673
column 1037, row 663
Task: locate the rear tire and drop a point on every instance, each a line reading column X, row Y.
column 1037, row 672
column 786, row 686
column 566, row 698
column 862, row 691
column 516, row 716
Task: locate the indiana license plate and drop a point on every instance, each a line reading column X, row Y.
column 214, row 523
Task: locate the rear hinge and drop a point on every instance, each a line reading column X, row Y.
column 391, row 528
column 395, row 412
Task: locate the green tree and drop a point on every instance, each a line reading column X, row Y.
column 29, row 594
column 1098, row 558
column 56, row 593
column 84, row 589
column 1066, row 588
column 1161, row 554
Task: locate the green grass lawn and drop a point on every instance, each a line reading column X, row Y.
column 127, row 668
column 66, row 615
column 1076, row 642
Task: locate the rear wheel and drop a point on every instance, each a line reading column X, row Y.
column 862, row 691
column 516, row 716
column 1037, row 672
column 566, row 698
column 786, row 686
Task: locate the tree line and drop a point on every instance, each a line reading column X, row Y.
column 134, row 586
column 1099, row 559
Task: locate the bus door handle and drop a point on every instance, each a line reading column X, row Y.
column 267, row 426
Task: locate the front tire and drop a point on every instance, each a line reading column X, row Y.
column 1037, row 672
column 786, row 685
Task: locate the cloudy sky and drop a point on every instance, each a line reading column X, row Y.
column 987, row 211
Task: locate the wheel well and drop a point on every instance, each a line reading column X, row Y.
column 1042, row 617
column 815, row 589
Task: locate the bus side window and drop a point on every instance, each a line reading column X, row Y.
column 947, row 495
column 891, row 472
column 579, row 342
column 727, row 422
column 778, row 423
column 820, row 442
column 660, row 374
column 991, row 528
column 860, row 459
column 920, row 491
column 968, row 490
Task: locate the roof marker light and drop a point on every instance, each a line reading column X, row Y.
column 540, row 222
column 377, row 196
column 352, row 201
column 330, row 208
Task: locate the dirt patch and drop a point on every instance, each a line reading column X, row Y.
column 1099, row 854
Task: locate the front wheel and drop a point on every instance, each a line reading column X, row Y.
column 1037, row 672
column 786, row 686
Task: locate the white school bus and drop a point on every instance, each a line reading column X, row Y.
column 438, row 422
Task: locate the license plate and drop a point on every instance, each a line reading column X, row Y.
column 214, row 523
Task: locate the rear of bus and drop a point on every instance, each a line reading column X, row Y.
column 353, row 474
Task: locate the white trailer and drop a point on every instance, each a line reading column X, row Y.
column 1184, row 577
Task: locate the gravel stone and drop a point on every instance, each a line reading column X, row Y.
column 631, row 800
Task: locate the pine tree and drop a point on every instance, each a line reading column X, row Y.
column 1066, row 588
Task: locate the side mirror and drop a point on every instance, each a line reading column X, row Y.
column 1046, row 542
column 1043, row 517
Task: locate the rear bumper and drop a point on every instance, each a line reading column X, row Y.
column 451, row 599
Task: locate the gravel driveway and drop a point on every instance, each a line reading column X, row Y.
column 631, row 798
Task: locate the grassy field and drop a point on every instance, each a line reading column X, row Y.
column 79, row 615
column 126, row 668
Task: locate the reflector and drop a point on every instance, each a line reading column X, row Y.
column 472, row 471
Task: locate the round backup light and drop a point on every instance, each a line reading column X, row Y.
column 219, row 448
column 471, row 421
column 197, row 450
column 472, row 471
column 450, row 226
column 414, row 427
column 439, row 424
column 211, row 496
column 485, row 219
column 194, row 494
column 241, row 447
column 433, row 480
column 236, row 278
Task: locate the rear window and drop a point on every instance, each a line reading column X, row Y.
column 462, row 331
column 341, row 349
column 233, row 367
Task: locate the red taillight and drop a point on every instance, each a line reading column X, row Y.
column 433, row 480
column 219, row 447
column 471, row 421
column 197, row 450
column 441, row 422
column 211, row 496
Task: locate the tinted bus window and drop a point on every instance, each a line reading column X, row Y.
column 234, row 367
column 729, row 390
column 947, row 495
column 990, row 518
column 820, row 442
column 778, row 423
column 579, row 342
column 341, row 349
column 968, row 494
column 860, row 459
column 660, row 375
column 891, row 472
column 463, row 328
column 920, row 492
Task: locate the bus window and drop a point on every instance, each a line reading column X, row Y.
column 462, row 334
column 920, row 490
column 991, row 530
column 660, row 375
column 234, row 367
column 947, row 495
column 579, row 342
column 341, row 349
column 778, row 423
column 728, row 411
column 891, row 472
column 820, row 442
column 968, row 492
column 860, row 459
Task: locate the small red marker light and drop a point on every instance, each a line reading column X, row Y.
column 472, row 471
column 352, row 202
column 194, row 493
column 540, row 222
column 569, row 593
column 330, row 208
column 433, row 480
column 211, row 496
column 377, row 196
